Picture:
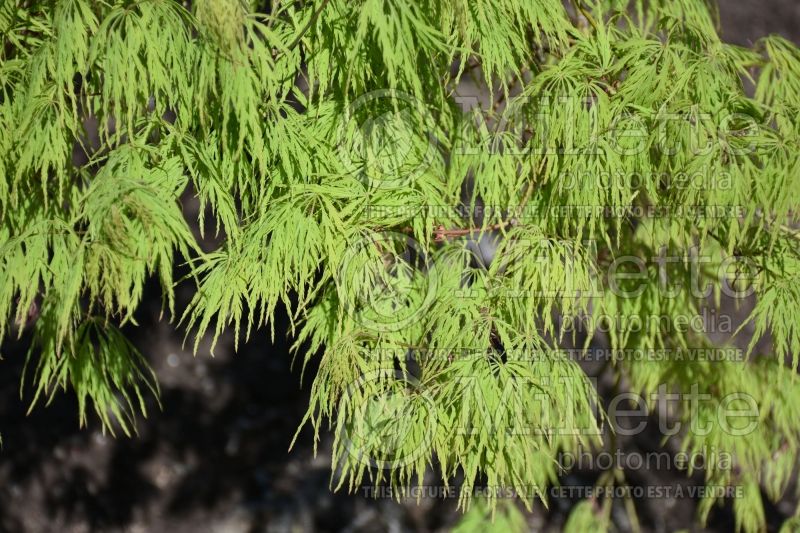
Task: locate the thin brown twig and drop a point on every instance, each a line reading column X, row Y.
column 443, row 234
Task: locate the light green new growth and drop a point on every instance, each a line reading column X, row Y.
column 332, row 145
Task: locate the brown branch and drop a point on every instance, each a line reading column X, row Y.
column 443, row 234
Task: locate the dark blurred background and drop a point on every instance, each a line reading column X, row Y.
column 216, row 458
